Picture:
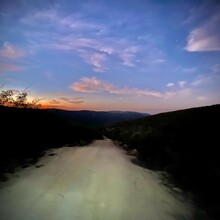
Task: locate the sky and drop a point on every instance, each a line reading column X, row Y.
column 131, row 55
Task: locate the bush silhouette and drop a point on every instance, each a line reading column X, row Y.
column 18, row 99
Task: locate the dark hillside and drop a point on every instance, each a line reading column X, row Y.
column 94, row 119
column 27, row 133
column 184, row 143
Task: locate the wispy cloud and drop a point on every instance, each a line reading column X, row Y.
column 48, row 74
column 10, row 52
column 206, row 37
column 179, row 93
column 93, row 85
column 202, row 98
column 53, row 17
column 216, row 69
column 73, row 100
column 128, row 55
column 159, row 60
column 77, row 34
column 54, row 101
column 205, row 80
column 182, row 83
column 202, row 79
column 6, row 67
column 207, row 85
column 95, row 59
column 189, row 70
column 96, row 53
column 62, row 101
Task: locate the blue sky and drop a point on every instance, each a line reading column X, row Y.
column 149, row 56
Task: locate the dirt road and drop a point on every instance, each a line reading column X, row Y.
column 97, row 182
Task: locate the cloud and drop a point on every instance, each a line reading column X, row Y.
column 169, row 85
column 96, row 41
column 189, row 70
column 93, row 85
column 53, row 17
column 128, row 55
column 32, row 19
column 6, row 67
column 181, row 83
column 54, row 101
column 178, row 90
column 96, row 53
column 206, row 37
column 10, row 52
column 200, row 80
column 179, row 93
column 70, row 30
column 159, row 61
column 90, row 50
column 216, row 69
column 202, row 98
column 48, row 74
column 72, row 101
column 95, row 59
column 75, row 43
column 62, row 101
column 208, row 85
column 210, row 79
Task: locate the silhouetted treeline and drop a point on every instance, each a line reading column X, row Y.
column 183, row 143
column 27, row 133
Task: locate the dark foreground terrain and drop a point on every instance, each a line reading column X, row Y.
column 97, row 182
column 27, row 133
column 183, row 143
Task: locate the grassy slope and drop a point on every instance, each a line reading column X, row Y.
column 185, row 144
column 27, row 133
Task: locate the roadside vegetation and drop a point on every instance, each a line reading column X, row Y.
column 184, row 144
column 18, row 99
column 27, row 131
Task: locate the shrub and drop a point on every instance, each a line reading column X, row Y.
column 18, row 99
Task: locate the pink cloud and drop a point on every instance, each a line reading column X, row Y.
column 73, row 101
column 11, row 52
column 6, row 67
column 93, row 85
column 54, row 101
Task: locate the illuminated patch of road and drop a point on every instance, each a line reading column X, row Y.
column 97, row 182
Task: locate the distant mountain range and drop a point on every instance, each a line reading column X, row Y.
column 95, row 119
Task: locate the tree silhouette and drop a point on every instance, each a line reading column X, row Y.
column 18, row 99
